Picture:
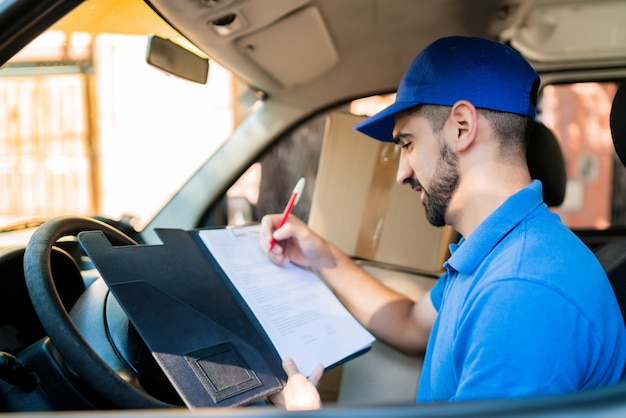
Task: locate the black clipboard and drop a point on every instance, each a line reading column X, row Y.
column 209, row 347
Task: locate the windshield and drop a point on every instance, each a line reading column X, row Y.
column 89, row 128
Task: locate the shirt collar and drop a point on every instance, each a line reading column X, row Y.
column 470, row 252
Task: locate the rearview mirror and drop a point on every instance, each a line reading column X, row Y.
column 176, row 60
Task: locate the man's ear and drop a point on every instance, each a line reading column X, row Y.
column 465, row 118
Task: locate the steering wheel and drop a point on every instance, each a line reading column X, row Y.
column 57, row 322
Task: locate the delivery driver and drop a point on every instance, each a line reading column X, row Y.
column 523, row 307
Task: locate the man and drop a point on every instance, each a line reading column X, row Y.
column 523, row 308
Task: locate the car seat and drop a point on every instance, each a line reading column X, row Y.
column 546, row 163
column 612, row 256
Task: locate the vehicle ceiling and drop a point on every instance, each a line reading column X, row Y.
column 312, row 52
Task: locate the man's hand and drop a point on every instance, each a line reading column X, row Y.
column 295, row 242
column 300, row 393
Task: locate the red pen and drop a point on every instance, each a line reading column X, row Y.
column 293, row 200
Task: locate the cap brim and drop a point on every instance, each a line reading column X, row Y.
column 380, row 126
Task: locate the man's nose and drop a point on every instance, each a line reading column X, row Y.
column 405, row 172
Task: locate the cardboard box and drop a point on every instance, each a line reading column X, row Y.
column 358, row 206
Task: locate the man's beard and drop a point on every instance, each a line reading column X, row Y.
column 444, row 183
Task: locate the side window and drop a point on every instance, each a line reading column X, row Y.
column 293, row 156
column 267, row 185
column 578, row 114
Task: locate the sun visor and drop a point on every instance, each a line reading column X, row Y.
column 292, row 61
column 554, row 31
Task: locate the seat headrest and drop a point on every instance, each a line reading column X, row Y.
column 546, row 163
column 618, row 122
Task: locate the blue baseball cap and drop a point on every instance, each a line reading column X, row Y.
column 486, row 73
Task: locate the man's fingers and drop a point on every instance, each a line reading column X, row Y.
column 316, row 375
column 291, row 369
column 289, row 366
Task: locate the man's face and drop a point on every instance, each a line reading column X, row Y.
column 428, row 164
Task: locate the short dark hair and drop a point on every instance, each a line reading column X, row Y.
column 511, row 129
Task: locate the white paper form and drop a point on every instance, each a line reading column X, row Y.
column 300, row 314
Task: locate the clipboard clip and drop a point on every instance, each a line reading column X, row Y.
column 244, row 230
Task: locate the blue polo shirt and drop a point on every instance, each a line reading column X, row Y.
column 524, row 309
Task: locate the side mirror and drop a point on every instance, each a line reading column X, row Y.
column 176, row 60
